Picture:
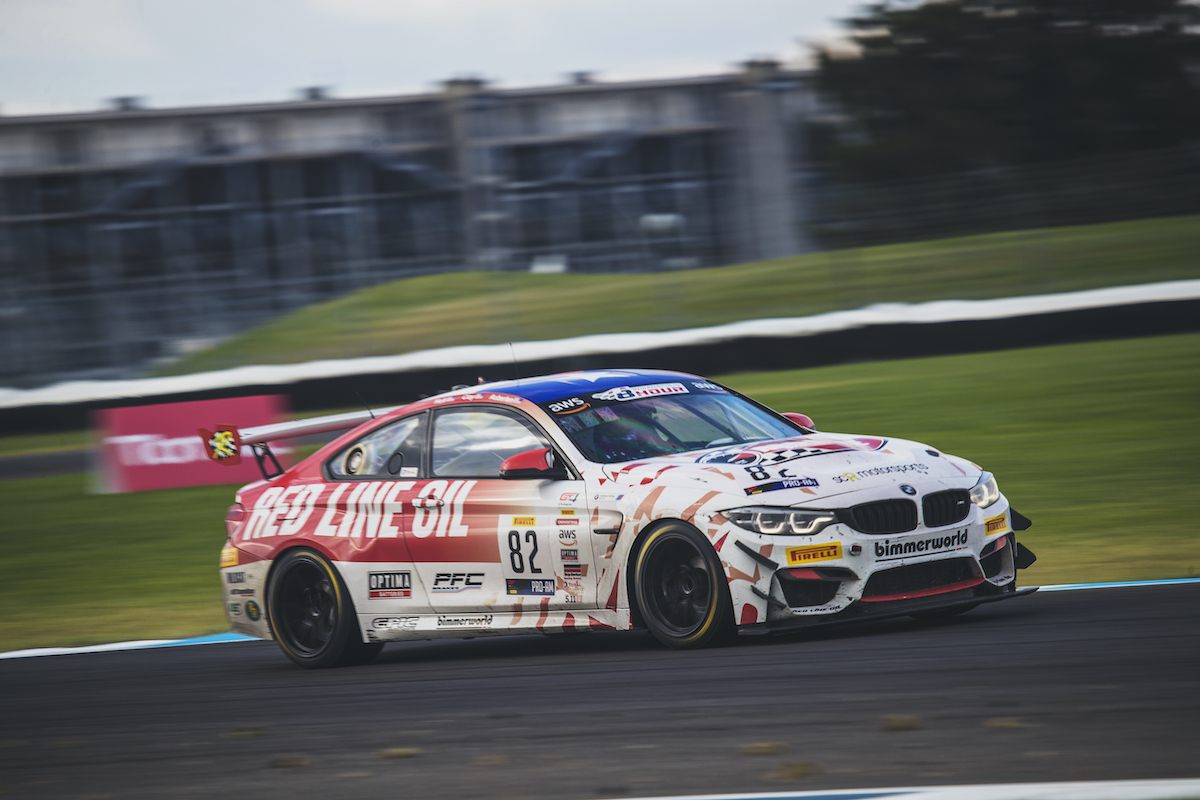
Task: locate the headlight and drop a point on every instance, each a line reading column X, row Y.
column 762, row 519
column 985, row 492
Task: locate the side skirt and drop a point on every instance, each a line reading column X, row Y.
column 471, row 624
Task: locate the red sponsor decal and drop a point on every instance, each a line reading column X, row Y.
column 441, row 520
column 157, row 447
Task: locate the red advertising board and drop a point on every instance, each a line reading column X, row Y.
column 158, row 447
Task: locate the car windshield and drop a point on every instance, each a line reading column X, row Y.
column 633, row 422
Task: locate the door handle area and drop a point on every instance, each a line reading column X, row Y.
column 428, row 502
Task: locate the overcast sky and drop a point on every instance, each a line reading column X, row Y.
column 70, row 55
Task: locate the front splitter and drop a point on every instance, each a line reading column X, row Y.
column 900, row 609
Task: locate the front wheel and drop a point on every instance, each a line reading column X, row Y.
column 681, row 588
column 311, row 614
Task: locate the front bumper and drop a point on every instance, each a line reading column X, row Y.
column 860, row 612
column 781, row 582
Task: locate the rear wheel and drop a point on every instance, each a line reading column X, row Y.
column 311, row 614
column 681, row 588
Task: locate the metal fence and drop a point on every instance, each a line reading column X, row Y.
column 108, row 272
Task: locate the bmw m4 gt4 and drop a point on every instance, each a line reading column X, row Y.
column 602, row 500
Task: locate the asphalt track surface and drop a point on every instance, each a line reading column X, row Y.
column 1099, row 684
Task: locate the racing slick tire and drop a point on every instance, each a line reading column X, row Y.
column 681, row 588
column 311, row 614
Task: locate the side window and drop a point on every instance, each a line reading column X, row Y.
column 473, row 442
column 393, row 451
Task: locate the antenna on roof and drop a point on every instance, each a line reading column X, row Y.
column 364, row 402
column 516, row 372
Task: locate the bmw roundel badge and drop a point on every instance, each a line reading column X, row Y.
column 904, row 487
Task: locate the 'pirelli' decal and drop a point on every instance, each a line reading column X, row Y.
column 813, row 552
column 996, row 524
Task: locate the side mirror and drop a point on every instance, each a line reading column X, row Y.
column 539, row 463
column 803, row 420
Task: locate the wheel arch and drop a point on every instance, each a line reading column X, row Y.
column 278, row 557
column 637, row 620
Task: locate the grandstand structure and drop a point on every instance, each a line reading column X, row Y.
column 130, row 235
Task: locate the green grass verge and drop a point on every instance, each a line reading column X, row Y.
column 490, row 307
column 44, row 443
column 83, row 568
column 1095, row 442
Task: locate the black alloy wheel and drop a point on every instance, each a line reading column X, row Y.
column 681, row 588
column 311, row 614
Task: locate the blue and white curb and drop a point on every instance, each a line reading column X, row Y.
column 217, row 638
column 1069, row 587
column 1181, row 789
column 141, row 644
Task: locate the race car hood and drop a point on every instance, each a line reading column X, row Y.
column 805, row 468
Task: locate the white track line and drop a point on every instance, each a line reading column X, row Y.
column 217, row 638
column 483, row 355
column 1181, row 789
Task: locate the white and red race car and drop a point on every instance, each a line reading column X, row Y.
column 600, row 500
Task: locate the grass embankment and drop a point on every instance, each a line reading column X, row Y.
column 1095, row 442
column 45, row 443
column 489, row 307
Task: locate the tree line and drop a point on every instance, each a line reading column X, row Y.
column 949, row 86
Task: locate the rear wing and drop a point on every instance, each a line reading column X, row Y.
column 224, row 444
